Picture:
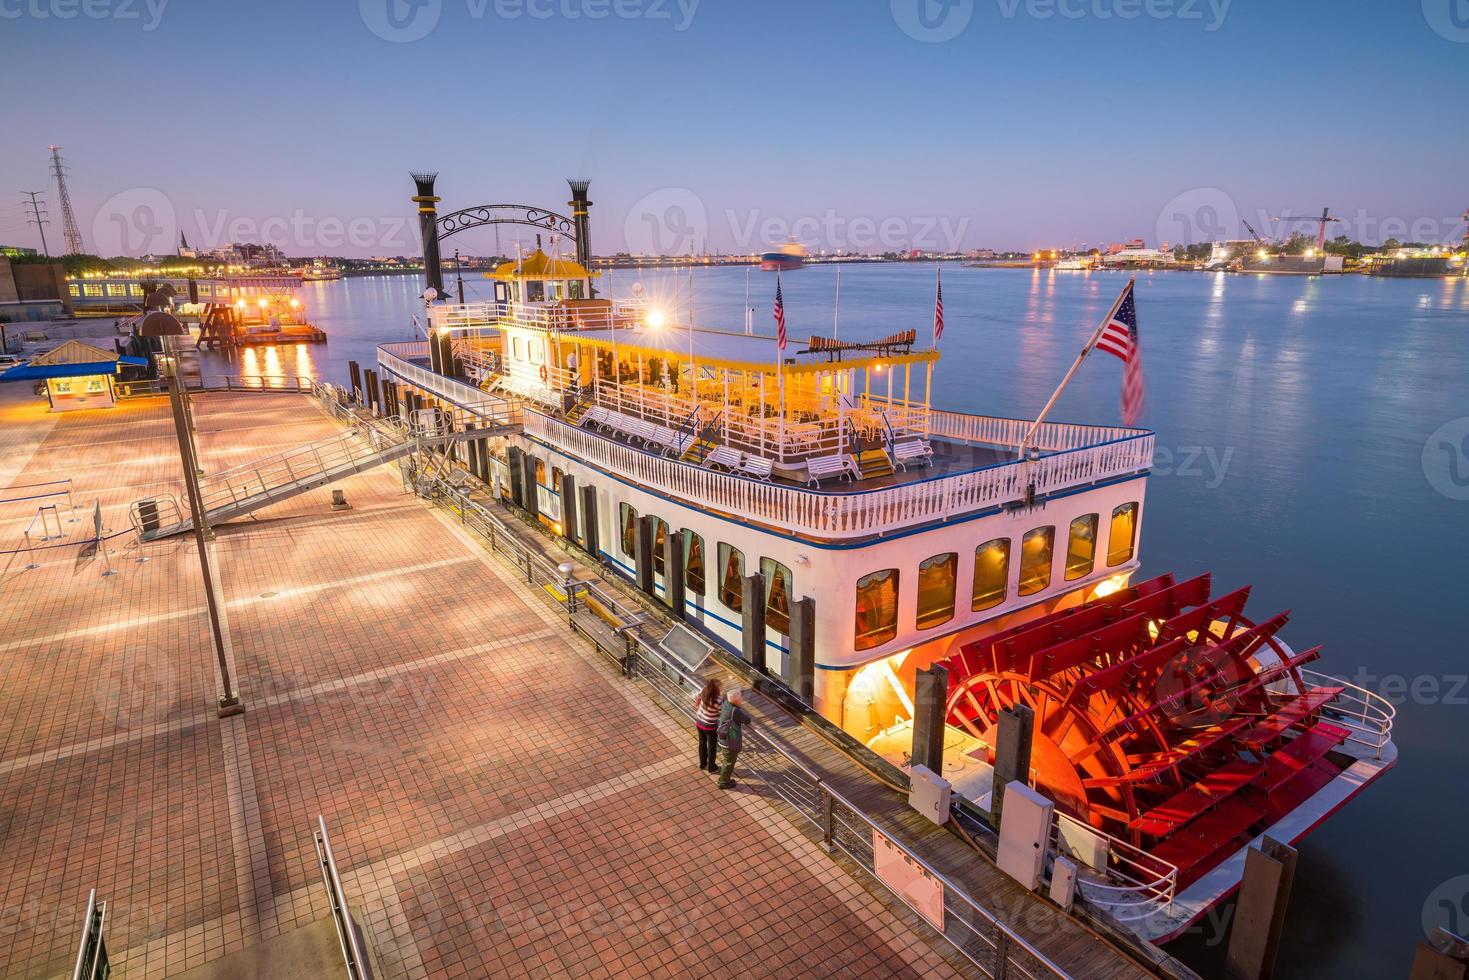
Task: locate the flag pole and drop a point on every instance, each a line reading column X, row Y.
column 1091, row 343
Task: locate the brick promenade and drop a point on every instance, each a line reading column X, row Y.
column 499, row 802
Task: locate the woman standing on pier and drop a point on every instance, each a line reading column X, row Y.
column 706, row 722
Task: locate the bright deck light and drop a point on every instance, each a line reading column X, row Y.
column 654, row 319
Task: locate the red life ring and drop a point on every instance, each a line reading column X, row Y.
column 544, row 373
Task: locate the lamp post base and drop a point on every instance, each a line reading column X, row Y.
column 229, row 707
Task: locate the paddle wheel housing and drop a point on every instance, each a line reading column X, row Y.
column 1163, row 716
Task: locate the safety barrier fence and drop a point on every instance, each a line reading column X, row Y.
column 354, row 955
column 223, row 382
column 972, row 931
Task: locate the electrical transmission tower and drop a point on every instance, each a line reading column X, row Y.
column 38, row 218
column 69, row 227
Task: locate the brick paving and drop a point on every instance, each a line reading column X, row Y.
column 499, row 803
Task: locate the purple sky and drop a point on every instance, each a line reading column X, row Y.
column 914, row 123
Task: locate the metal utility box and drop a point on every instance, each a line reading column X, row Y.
column 929, row 794
column 1025, row 833
column 1063, row 882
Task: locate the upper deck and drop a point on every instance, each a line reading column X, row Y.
column 698, row 416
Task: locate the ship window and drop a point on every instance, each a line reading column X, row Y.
column 135, row 289
column 1081, row 547
column 660, row 541
column 877, row 608
column 991, row 573
column 91, row 289
column 777, row 595
column 576, row 292
column 1123, row 535
column 629, row 518
column 535, row 292
column 515, row 349
column 73, row 289
column 693, row 562
column 936, row 579
column 1035, row 559
column 731, row 574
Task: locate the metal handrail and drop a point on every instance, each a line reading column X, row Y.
column 353, row 955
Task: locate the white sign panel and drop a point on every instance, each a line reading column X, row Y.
column 909, row 880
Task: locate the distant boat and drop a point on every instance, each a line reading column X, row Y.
column 1074, row 264
column 787, row 258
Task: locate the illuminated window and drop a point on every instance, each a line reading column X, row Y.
column 1035, row 559
column 556, row 479
column 629, row 519
column 991, row 573
column 1123, row 535
column 660, row 541
column 540, row 473
column 576, row 289
column 117, row 289
column 135, row 289
column 73, row 289
column 91, row 289
column 693, row 562
column 936, row 578
column 1081, row 547
column 731, row 572
column 515, row 351
column 777, row 595
column 877, row 608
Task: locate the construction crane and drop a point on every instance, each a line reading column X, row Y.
column 1250, row 228
column 1324, row 219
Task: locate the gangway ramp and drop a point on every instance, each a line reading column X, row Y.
column 366, row 444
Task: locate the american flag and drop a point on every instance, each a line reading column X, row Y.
column 780, row 316
column 1119, row 337
column 938, row 306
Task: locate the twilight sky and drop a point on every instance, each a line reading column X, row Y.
column 863, row 124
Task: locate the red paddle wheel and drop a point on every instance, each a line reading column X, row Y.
column 1163, row 716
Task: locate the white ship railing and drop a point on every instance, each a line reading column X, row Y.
column 456, row 392
column 856, row 513
column 1366, row 714
column 1137, row 886
column 465, row 316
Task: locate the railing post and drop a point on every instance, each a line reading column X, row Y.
column 828, row 819
column 1002, row 953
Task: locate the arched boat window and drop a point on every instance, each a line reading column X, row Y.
column 693, row 563
column 660, row 543
column 777, row 595
column 731, row 575
column 936, row 581
column 629, row 520
column 991, row 573
column 1036, row 550
column 877, row 608
column 1122, row 537
column 1081, row 547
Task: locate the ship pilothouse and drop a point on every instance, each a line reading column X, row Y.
column 812, row 502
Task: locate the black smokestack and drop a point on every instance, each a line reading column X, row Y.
column 580, row 222
column 428, row 227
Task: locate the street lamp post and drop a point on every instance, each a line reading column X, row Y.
column 167, row 327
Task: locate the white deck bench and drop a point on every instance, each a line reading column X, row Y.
column 910, row 450
column 723, row 456
column 821, row 467
column 757, row 466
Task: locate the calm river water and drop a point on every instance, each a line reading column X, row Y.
column 1301, row 447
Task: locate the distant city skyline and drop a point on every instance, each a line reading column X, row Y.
column 953, row 125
